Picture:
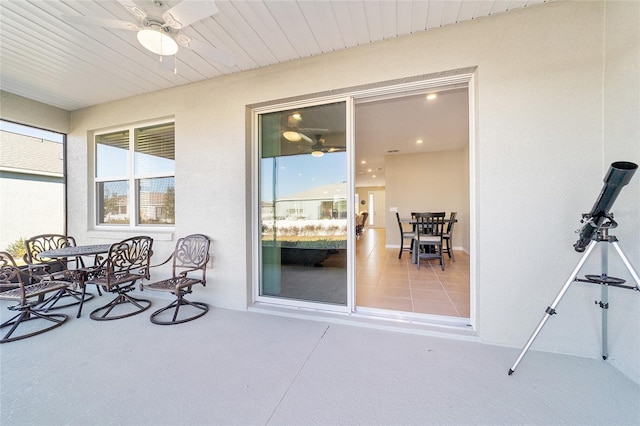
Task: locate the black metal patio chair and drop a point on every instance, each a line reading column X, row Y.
column 126, row 262
column 14, row 288
column 190, row 260
column 61, row 269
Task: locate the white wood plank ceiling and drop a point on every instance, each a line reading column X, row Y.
column 46, row 58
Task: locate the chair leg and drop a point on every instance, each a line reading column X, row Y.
column 27, row 315
column 102, row 314
column 176, row 304
column 50, row 303
column 450, row 250
column 401, row 247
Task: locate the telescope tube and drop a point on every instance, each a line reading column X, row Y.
column 619, row 175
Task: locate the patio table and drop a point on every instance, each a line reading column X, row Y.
column 79, row 275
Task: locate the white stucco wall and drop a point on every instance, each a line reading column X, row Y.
column 542, row 148
column 622, row 142
column 30, row 208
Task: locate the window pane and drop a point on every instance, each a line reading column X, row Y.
column 303, row 204
column 113, row 202
column 155, row 149
column 156, row 201
column 112, row 154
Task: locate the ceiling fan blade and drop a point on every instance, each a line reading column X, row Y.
column 206, row 50
column 187, row 12
column 89, row 21
column 134, row 9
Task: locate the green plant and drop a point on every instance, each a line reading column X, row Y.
column 16, row 248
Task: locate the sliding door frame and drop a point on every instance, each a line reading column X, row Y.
column 371, row 92
column 256, row 217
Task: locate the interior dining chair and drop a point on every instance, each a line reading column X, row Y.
column 14, row 288
column 126, row 262
column 190, row 259
column 54, row 269
column 447, row 236
column 404, row 235
column 428, row 239
column 363, row 221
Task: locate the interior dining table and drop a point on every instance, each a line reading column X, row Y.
column 413, row 222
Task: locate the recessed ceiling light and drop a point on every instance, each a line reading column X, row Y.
column 419, row 141
column 363, row 162
column 431, row 96
column 369, row 170
column 373, row 176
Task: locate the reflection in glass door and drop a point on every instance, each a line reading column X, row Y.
column 303, row 204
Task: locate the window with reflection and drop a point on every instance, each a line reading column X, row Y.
column 303, row 204
column 138, row 161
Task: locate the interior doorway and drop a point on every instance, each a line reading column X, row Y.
column 412, row 154
column 377, row 215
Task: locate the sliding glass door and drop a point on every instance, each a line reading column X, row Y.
column 303, row 210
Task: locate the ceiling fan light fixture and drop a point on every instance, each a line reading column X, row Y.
column 317, row 154
column 292, row 136
column 157, row 42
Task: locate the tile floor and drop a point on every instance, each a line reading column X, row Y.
column 385, row 282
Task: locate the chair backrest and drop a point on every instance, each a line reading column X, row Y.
column 431, row 223
column 127, row 259
column 10, row 276
column 36, row 245
column 452, row 221
column 365, row 215
column 400, row 223
column 39, row 243
column 191, row 254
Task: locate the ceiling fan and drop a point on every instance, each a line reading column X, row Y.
column 319, row 147
column 161, row 34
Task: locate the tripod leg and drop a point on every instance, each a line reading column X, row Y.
column 552, row 308
column 627, row 264
column 604, row 303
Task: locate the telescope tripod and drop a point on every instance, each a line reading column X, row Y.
column 604, row 280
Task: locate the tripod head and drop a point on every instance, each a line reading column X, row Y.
column 599, row 218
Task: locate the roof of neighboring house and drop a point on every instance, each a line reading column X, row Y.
column 27, row 154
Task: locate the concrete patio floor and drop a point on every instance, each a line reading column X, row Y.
column 248, row 368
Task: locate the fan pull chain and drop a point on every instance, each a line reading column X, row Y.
column 175, row 64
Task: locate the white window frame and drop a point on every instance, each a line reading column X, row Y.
column 131, row 177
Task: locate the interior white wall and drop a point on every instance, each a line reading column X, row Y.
column 428, row 182
column 540, row 158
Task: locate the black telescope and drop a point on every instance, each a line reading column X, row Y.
column 619, row 175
